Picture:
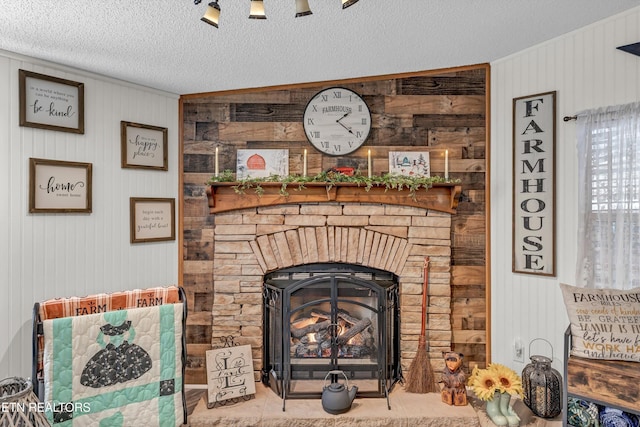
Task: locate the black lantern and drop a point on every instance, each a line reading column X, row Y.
column 542, row 385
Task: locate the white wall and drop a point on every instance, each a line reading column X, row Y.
column 45, row 256
column 587, row 71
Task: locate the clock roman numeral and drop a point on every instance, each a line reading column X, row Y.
column 314, row 108
column 324, row 144
column 325, row 98
column 310, row 121
column 337, row 148
column 337, row 94
column 314, row 134
column 364, row 121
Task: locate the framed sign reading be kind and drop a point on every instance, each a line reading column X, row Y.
column 51, row 103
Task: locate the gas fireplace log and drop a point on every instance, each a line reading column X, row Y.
column 353, row 331
column 315, row 327
column 342, row 314
column 320, row 314
column 365, row 334
column 347, row 317
column 360, row 350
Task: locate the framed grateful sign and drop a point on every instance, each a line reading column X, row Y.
column 57, row 186
column 143, row 146
column 51, row 103
column 152, row 219
column 534, row 139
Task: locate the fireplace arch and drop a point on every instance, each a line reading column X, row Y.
column 252, row 243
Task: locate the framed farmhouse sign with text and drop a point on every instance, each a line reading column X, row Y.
column 57, row 186
column 143, row 146
column 152, row 219
column 51, row 103
column 534, row 138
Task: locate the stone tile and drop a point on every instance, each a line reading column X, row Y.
column 267, row 253
column 348, row 221
column 323, row 244
column 235, row 229
column 293, row 240
column 312, row 244
column 283, row 249
column 401, row 232
column 321, row 209
column 390, row 220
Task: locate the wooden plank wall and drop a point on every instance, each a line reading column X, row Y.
column 430, row 111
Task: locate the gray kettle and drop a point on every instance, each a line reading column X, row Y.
column 336, row 397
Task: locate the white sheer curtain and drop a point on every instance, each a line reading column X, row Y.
column 609, row 197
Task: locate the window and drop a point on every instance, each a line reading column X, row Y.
column 609, row 198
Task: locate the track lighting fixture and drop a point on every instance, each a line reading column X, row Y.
column 212, row 14
column 302, row 8
column 257, row 11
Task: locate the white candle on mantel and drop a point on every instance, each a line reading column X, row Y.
column 369, row 163
column 217, row 168
column 446, row 164
column 304, row 163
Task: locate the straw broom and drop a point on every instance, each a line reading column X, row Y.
column 421, row 376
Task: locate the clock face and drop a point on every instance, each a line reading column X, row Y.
column 337, row 121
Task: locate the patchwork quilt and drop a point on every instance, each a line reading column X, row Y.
column 117, row 368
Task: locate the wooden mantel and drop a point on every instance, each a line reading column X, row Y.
column 223, row 197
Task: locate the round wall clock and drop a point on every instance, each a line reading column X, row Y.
column 337, row 121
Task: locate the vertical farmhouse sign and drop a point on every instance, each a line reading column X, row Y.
column 534, row 135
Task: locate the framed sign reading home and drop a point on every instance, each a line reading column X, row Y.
column 51, row 103
column 143, row 146
column 534, row 138
column 57, row 186
column 152, row 219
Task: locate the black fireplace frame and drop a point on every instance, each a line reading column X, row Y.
column 278, row 287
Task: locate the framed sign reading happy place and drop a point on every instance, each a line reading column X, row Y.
column 143, row 146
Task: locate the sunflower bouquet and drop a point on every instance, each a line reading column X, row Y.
column 495, row 378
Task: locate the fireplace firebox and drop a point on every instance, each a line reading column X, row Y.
column 330, row 317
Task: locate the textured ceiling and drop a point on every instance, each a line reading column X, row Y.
column 164, row 45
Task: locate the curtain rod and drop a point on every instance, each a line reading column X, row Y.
column 569, row 118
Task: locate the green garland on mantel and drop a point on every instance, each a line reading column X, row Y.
column 388, row 181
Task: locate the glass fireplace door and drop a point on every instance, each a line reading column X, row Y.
column 334, row 324
column 325, row 317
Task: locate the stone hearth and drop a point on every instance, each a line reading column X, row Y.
column 407, row 409
column 248, row 243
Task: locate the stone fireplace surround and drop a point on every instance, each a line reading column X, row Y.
column 250, row 242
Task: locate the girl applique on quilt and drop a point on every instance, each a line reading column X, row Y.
column 119, row 360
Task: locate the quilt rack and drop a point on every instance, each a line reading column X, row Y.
column 118, row 357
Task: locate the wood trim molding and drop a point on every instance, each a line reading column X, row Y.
column 223, row 196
